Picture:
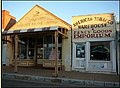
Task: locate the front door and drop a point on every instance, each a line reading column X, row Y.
column 80, row 55
column 39, row 55
column 39, row 51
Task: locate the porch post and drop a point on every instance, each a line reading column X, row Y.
column 16, row 53
column 56, row 55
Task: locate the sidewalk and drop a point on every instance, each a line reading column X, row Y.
column 83, row 78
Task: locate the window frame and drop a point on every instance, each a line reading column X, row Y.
column 91, row 60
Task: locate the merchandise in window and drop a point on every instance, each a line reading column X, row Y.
column 100, row 51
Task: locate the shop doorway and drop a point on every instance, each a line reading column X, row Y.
column 80, row 55
column 39, row 51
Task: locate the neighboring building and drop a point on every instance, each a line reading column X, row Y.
column 94, row 43
column 7, row 22
column 40, row 38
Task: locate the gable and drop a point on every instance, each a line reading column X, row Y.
column 38, row 17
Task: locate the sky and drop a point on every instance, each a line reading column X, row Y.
column 63, row 9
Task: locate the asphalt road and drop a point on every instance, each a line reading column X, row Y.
column 25, row 83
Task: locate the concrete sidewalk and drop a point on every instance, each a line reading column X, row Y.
column 46, row 75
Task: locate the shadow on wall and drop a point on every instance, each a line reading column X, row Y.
column 10, row 24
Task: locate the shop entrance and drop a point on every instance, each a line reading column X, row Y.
column 80, row 55
column 39, row 51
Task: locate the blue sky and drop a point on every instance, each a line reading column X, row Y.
column 64, row 9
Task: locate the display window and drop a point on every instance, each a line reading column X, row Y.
column 100, row 51
column 43, row 46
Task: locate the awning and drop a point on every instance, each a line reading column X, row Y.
column 9, row 32
column 61, row 30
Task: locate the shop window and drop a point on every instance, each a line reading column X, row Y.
column 31, row 47
column 31, row 42
column 80, row 50
column 48, row 44
column 49, row 47
column 40, row 41
column 22, row 48
column 31, row 53
column 100, row 51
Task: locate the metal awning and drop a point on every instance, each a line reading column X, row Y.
column 61, row 30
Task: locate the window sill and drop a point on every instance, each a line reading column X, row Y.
column 99, row 61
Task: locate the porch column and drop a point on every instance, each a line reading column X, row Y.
column 113, row 56
column 16, row 53
column 56, row 55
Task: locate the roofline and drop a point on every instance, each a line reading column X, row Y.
column 44, row 10
column 112, row 13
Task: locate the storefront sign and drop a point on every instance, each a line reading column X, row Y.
column 92, row 33
column 93, row 26
column 100, row 19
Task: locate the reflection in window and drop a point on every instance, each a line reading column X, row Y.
column 100, row 51
column 23, row 48
column 49, row 46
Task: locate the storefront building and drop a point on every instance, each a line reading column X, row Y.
column 94, row 43
column 38, row 39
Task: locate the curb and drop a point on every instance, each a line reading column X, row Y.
column 61, row 80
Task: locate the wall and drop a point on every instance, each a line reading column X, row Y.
column 66, row 52
column 10, row 51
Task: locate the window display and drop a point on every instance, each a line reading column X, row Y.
column 80, row 51
column 23, row 48
column 100, row 51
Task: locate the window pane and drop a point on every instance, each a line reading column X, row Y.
column 100, row 51
column 47, row 51
column 31, row 42
column 80, row 50
column 31, row 53
column 47, row 39
column 23, row 48
column 40, row 41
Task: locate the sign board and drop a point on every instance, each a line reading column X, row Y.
column 93, row 26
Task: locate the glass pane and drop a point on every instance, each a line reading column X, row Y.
column 31, row 42
column 100, row 51
column 47, row 51
column 47, row 39
column 23, row 48
column 39, row 41
column 80, row 51
column 31, row 53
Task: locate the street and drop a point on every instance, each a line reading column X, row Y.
column 25, row 83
